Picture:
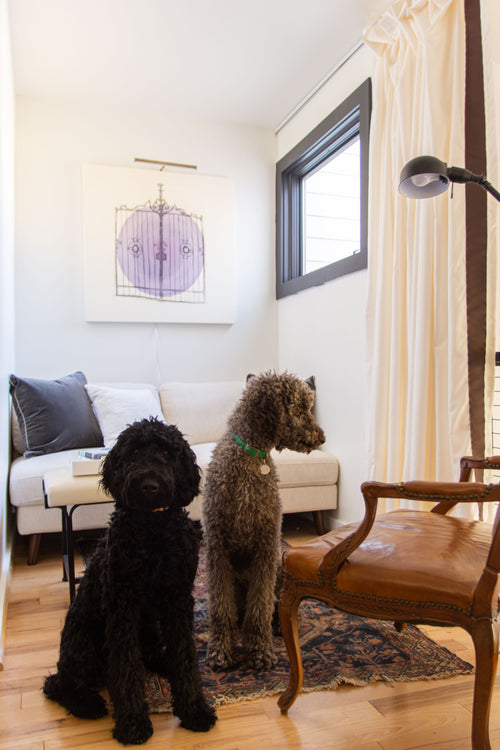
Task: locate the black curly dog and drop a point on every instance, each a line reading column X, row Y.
column 134, row 606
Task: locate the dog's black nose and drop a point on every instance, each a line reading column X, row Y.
column 150, row 485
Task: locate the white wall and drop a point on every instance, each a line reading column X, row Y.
column 6, row 293
column 322, row 330
column 52, row 338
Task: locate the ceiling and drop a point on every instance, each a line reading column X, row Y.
column 245, row 63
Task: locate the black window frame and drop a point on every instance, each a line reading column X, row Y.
column 335, row 132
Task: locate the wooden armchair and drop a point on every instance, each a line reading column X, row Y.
column 408, row 566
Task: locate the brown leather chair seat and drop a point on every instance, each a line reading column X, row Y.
column 408, row 555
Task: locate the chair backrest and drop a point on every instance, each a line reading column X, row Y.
column 478, row 465
column 469, row 464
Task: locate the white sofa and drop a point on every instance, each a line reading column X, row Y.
column 308, row 482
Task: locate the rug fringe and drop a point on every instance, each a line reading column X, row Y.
column 220, row 699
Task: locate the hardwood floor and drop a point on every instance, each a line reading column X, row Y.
column 432, row 715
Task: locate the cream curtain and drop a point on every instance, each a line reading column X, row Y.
column 417, row 390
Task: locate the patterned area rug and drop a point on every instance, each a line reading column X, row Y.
column 337, row 648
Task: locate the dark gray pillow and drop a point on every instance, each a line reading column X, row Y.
column 54, row 415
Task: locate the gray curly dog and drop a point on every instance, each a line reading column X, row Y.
column 241, row 514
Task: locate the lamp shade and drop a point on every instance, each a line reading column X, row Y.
column 424, row 177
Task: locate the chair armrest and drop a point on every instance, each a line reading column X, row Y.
column 337, row 555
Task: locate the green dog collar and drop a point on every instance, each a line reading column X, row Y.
column 248, row 448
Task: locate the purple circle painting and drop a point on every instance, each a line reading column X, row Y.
column 160, row 250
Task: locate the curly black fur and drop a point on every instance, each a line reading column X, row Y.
column 134, row 607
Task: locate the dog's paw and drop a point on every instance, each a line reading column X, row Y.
column 91, row 705
column 220, row 660
column 133, row 730
column 82, row 702
column 261, row 661
column 201, row 719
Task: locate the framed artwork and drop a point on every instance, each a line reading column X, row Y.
column 158, row 246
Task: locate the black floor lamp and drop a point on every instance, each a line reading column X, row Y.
column 427, row 176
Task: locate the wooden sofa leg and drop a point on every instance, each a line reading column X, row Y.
column 319, row 522
column 34, row 548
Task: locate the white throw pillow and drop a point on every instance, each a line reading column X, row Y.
column 116, row 408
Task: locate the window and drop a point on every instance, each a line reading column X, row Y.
column 322, row 199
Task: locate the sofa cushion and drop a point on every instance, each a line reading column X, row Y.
column 116, row 408
column 26, row 476
column 203, row 453
column 54, row 415
column 297, row 470
column 315, row 469
column 200, row 410
column 312, row 469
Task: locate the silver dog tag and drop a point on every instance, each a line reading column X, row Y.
column 264, row 469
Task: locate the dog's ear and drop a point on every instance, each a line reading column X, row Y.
column 264, row 410
column 188, row 477
column 311, row 382
column 249, row 377
column 109, row 470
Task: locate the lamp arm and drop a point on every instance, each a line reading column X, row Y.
column 458, row 174
column 489, row 187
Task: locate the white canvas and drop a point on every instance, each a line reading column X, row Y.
column 116, row 200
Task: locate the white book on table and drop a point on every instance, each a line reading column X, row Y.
column 83, row 466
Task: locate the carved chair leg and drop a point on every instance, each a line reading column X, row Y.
column 288, row 608
column 485, row 637
column 34, row 548
column 319, row 522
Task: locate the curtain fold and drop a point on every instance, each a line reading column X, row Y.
column 417, row 389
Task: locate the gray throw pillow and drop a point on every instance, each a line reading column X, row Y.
column 54, row 415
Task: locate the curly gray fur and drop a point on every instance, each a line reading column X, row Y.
column 241, row 514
